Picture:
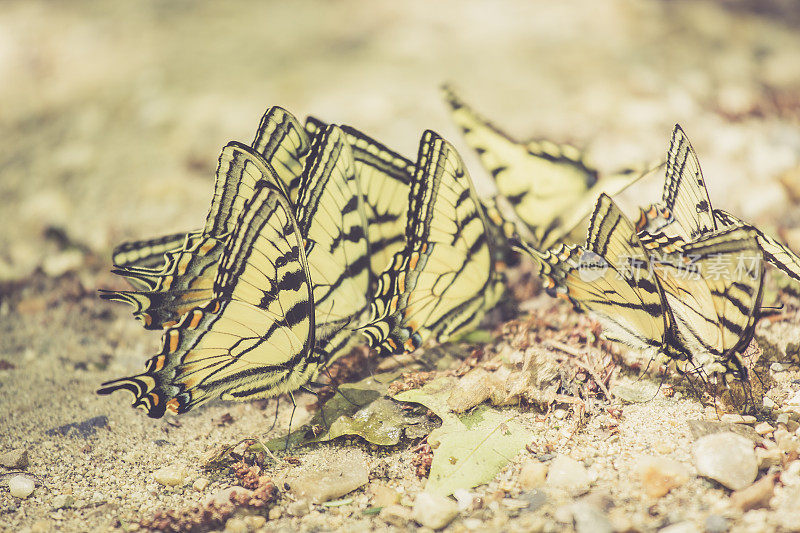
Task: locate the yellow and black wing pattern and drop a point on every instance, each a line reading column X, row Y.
column 330, row 216
column 686, row 209
column 713, row 288
column 550, row 186
column 255, row 337
column 385, row 177
column 186, row 273
column 444, row 279
column 609, row 277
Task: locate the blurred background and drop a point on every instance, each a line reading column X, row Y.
column 112, row 114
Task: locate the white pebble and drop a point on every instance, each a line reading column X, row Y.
column 20, row 486
column 170, row 476
column 434, row 511
column 727, row 458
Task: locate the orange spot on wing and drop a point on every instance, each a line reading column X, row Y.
column 173, row 405
column 174, row 337
column 159, row 363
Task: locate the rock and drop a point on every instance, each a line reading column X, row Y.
column 737, row 419
column 473, row 388
column 568, row 474
column 200, row 484
column 727, row 458
column 768, row 457
column 464, row 499
column 170, row 476
column 332, row 481
column 434, row 511
column 236, row 525
column 20, row 486
column 17, row 458
column 395, row 515
column 275, row 513
column 637, row 392
column 716, row 524
column 786, row 442
column 383, row 496
column 700, row 428
column 63, row 501
column 756, row 495
column 589, row 519
column 224, row 496
column 533, row 474
column 764, row 428
column 659, row 475
column 298, row 508
column 255, row 522
column 680, row 527
column 535, row 498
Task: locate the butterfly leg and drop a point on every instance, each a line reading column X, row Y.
column 275, row 420
column 291, row 418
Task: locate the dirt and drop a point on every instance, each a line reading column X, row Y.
column 113, row 115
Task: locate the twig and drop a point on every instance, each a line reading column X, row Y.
column 569, row 350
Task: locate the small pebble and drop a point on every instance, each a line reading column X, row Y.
column 568, row 474
column 16, row 459
column 170, row 476
column 680, row 527
column 659, row 475
column 764, row 428
column 535, row 498
column 716, row 524
column 298, row 508
column 255, row 522
column 383, row 496
column 755, row 496
column 434, row 511
column 768, row 457
column 236, row 525
column 737, row 419
column 63, row 501
column 20, row 486
column 472, row 389
column 589, row 519
column 275, row 513
column 532, row 474
column 786, row 442
column 727, row 458
column 332, row 481
column 395, row 515
column 782, row 418
column 200, row 484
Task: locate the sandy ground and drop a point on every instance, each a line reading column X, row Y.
column 112, row 118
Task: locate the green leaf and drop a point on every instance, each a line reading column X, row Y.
column 359, row 409
column 468, row 449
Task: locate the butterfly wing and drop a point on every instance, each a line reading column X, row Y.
column 255, row 337
column 541, row 179
column 385, row 176
column 330, row 216
column 775, row 253
column 685, row 193
column 713, row 288
column 442, row 282
column 609, row 277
